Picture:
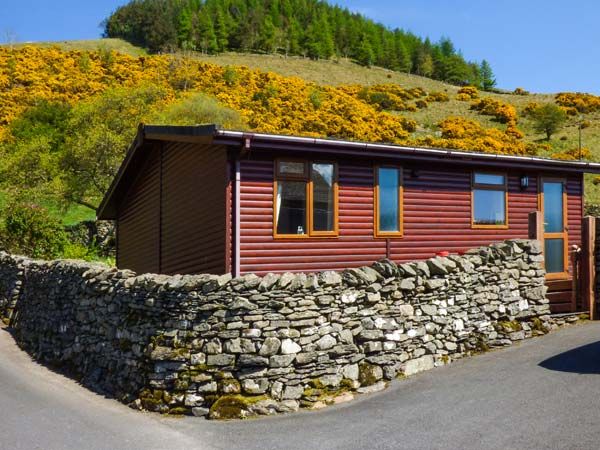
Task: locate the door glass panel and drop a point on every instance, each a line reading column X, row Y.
column 389, row 205
column 291, row 207
column 553, row 207
column 554, row 255
column 323, row 193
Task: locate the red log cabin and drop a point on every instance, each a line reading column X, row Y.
column 201, row 199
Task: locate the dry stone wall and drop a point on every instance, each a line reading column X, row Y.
column 222, row 347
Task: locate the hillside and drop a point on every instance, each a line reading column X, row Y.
column 293, row 95
column 315, row 29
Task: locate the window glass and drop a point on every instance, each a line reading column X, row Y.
column 489, row 207
column 291, row 168
column 553, row 207
column 554, row 255
column 389, row 204
column 291, row 207
column 323, row 197
column 488, row 178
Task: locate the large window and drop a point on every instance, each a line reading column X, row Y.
column 305, row 199
column 489, row 200
column 388, row 201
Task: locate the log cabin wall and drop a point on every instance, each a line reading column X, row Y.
column 437, row 216
column 174, row 218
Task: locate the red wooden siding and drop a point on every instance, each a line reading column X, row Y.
column 193, row 209
column 138, row 226
column 437, row 216
column 173, row 219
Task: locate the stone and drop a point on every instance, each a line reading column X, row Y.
column 385, row 323
column 429, row 310
column 193, row 400
column 330, row 278
column 436, row 266
column 289, row 347
column 331, row 380
column 350, row 371
column 197, row 358
column 369, row 374
column 407, row 284
column 379, row 386
column 199, row 411
column 406, row 310
column 252, row 361
column 417, row 365
column 278, row 361
column 292, row 392
column 326, row 342
column 435, row 283
column 220, row 360
column 270, row 346
column 243, row 303
column 207, row 388
column 255, row 386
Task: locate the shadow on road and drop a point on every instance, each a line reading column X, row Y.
column 583, row 360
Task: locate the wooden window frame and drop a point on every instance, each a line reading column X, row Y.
column 557, row 235
column 307, row 178
column 489, row 187
column 388, row 234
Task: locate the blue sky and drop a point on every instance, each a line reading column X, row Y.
column 542, row 46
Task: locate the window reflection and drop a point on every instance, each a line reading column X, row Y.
column 389, row 196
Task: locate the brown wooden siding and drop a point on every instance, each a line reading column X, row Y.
column 193, row 209
column 138, row 225
column 173, row 219
column 437, row 216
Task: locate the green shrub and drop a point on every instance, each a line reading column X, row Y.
column 29, row 230
column 200, row 109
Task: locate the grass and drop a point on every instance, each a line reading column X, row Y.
column 70, row 216
column 117, row 45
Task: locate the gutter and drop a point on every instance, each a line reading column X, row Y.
column 352, row 147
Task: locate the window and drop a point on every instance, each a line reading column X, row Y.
column 305, row 199
column 388, row 202
column 489, row 201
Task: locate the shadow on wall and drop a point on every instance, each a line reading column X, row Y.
column 582, row 360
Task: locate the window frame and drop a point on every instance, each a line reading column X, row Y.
column 307, row 178
column 489, row 187
column 376, row 231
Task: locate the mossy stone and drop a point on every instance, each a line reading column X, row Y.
column 235, row 406
column 369, row 374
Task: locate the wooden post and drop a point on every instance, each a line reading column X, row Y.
column 588, row 265
column 536, row 225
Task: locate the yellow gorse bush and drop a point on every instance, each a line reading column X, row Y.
column 574, row 102
column 268, row 102
column 502, row 112
column 467, row 93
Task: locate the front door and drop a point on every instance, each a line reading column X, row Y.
column 553, row 199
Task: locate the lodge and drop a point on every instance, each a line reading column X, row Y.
column 200, row 199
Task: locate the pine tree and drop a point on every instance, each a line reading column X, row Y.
column 365, row 55
column 207, row 39
column 221, row 30
column 488, row 81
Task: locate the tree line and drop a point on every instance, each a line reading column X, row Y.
column 309, row 28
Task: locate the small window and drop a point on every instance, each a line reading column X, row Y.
column 489, row 200
column 388, row 202
column 305, row 199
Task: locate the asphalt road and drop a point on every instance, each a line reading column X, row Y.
column 541, row 394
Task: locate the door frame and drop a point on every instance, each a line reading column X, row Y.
column 564, row 235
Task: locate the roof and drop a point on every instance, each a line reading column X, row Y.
column 208, row 134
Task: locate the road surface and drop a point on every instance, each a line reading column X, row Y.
column 541, row 394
